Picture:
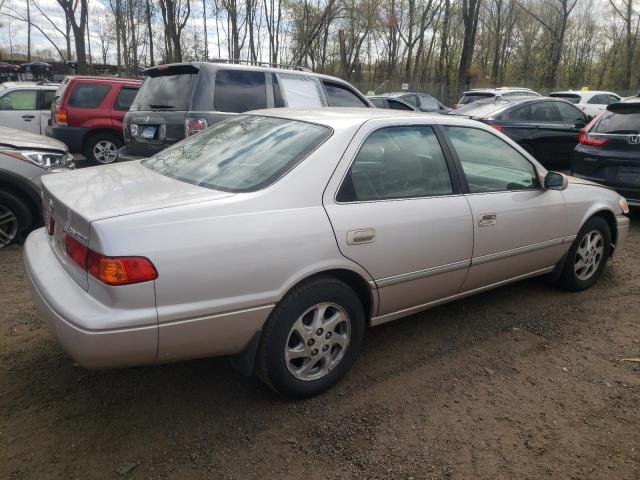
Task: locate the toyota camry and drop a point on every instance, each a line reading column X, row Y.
column 278, row 237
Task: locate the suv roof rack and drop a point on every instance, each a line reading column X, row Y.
column 47, row 83
column 261, row 64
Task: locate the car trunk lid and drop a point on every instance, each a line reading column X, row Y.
column 76, row 199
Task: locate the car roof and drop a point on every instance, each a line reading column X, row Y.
column 94, row 78
column 259, row 68
column 18, row 85
column 340, row 116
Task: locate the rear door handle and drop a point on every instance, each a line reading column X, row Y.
column 28, row 117
column 358, row 237
column 487, row 219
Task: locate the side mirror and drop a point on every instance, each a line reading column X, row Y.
column 555, row 181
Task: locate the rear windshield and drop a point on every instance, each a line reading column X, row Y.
column 166, row 92
column 482, row 108
column 572, row 97
column 625, row 118
column 242, row 154
column 474, row 97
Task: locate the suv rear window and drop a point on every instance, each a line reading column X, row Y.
column 572, row 97
column 88, row 95
column 620, row 118
column 474, row 97
column 239, row 91
column 243, row 154
column 166, row 92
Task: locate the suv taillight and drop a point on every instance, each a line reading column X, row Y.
column 585, row 139
column 109, row 270
column 194, row 125
column 61, row 116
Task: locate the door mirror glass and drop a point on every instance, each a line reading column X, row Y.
column 555, row 181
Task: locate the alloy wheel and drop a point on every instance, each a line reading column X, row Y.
column 8, row 226
column 317, row 341
column 589, row 255
column 105, row 151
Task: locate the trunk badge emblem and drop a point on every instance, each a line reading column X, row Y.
column 146, row 119
column 633, row 139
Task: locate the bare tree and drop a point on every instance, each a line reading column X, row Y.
column 78, row 22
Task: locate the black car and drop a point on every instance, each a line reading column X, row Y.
column 545, row 127
column 420, row 102
column 381, row 101
column 609, row 149
column 178, row 100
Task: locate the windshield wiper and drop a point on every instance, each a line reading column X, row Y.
column 158, row 106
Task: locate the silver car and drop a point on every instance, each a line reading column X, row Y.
column 278, row 237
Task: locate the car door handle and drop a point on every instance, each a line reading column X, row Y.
column 487, row 219
column 28, row 117
column 358, row 237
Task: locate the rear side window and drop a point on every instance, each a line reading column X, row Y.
column 47, row 98
column 429, row 103
column 245, row 153
column 397, row 162
column 396, row 105
column 239, row 91
column 20, row 100
column 340, row 96
column 489, row 163
column 125, row 98
column 380, row 102
column 166, row 92
column 88, row 95
column 544, row 112
column 300, row 91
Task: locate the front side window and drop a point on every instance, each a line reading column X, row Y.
column 19, row 100
column 125, row 98
column 339, row 96
column 239, row 91
column 612, row 99
column 243, row 154
column 300, row 91
column 88, row 95
column 489, row 163
column 570, row 114
column 395, row 163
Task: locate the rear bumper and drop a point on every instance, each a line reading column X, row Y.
column 73, row 137
column 66, row 306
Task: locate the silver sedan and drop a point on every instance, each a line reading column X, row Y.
column 278, row 237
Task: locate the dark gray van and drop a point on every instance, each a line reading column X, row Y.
column 178, row 100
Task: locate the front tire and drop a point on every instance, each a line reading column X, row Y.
column 587, row 256
column 311, row 338
column 15, row 219
column 102, row 148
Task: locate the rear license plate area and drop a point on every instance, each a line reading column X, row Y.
column 629, row 175
column 148, row 132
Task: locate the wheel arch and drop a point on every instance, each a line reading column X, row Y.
column 610, row 218
column 100, row 131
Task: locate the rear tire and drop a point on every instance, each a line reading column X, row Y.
column 311, row 339
column 15, row 219
column 587, row 256
column 102, row 148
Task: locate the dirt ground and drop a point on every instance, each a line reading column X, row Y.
column 525, row 382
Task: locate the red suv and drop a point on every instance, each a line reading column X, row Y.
column 87, row 112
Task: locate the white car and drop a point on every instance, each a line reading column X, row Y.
column 26, row 105
column 591, row 102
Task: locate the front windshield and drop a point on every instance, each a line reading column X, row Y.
column 243, row 154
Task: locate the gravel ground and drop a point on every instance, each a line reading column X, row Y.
column 525, row 382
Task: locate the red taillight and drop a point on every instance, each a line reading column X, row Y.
column 110, row 270
column 496, row 126
column 49, row 221
column 61, row 116
column 585, row 139
column 194, row 125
